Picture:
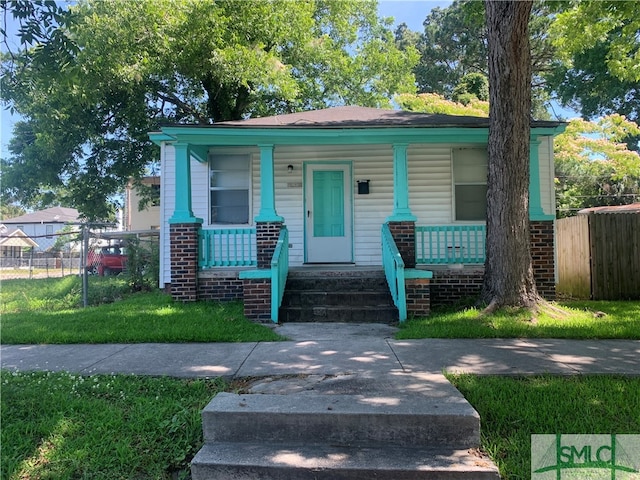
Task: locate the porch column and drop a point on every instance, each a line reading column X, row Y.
column 267, row 187
column 183, row 231
column 402, row 223
column 401, row 210
column 182, row 212
column 535, row 203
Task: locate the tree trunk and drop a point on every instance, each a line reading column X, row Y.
column 508, row 279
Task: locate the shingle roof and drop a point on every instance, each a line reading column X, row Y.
column 631, row 208
column 345, row 117
column 48, row 215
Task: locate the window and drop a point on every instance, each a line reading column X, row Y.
column 470, row 183
column 49, row 231
column 229, row 181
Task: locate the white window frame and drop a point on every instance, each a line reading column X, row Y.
column 479, row 181
column 210, row 170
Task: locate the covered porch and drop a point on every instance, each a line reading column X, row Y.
column 390, row 176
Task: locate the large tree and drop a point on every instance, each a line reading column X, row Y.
column 508, row 278
column 106, row 72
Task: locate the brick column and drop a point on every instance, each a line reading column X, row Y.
column 257, row 299
column 543, row 258
column 418, row 294
column 184, row 261
column 404, row 234
column 267, row 234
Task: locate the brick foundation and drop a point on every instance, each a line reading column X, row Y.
column 404, row 235
column 267, row 234
column 542, row 257
column 257, row 299
column 449, row 287
column 220, row 286
column 183, row 238
column 418, row 295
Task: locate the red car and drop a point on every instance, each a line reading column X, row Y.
column 105, row 261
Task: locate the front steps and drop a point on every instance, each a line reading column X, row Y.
column 389, row 436
column 337, row 295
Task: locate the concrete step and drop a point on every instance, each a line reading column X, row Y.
column 341, row 314
column 310, row 298
column 253, row 461
column 346, row 420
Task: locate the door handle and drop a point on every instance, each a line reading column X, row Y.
column 308, row 213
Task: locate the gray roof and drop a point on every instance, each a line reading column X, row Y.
column 48, row 215
column 365, row 117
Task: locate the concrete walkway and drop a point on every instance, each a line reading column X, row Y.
column 315, row 349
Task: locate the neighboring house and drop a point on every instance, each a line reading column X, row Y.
column 42, row 226
column 347, row 185
column 147, row 218
column 13, row 243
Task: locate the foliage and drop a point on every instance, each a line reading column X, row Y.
column 125, row 68
column 620, row 320
column 454, row 46
column 436, row 104
column 594, row 167
column 512, row 409
column 64, row 426
column 7, row 210
column 143, row 263
column 598, row 50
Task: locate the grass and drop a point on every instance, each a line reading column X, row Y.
column 49, row 314
column 583, row 320
column 512, row 409
column 63, row 426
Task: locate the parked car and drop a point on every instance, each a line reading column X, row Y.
column 108, row 260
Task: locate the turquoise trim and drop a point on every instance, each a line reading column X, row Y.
column 450, row 244
column 200, row 153
column 413, row 274
column 535, row 202
column 401, row 210
column 267, row 187
column 394, row 271
column 262, row 274
column 227, row 247
column 182, row 212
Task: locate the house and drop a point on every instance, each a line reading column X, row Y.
column 148, row 218
column 13, row 243
column 42, row 225
column 245, row 201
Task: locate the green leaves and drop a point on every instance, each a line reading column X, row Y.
column 136, row 65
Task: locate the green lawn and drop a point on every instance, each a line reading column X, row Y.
column 583, row 320
column 49, row 314
column 512, row 409
column 62, row 426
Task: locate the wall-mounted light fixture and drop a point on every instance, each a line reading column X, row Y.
column 363, row 187
column 290, row 168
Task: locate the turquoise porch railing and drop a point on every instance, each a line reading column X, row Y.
column 394, row 271
column 227, row 247
column 449, row 244
column 279, row 272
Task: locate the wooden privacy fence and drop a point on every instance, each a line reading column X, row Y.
column 599, row 256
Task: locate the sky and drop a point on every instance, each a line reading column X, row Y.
column 411, row 12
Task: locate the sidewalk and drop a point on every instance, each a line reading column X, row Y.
column 367, row 350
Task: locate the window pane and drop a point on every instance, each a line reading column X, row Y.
column 471, row 202
column 229, row 181
column 230, row 206
column 470, row 165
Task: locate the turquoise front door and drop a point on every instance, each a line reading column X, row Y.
column 328, row 226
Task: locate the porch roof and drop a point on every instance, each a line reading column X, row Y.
column 344, row 125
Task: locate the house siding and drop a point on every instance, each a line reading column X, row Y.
column 430, row 190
